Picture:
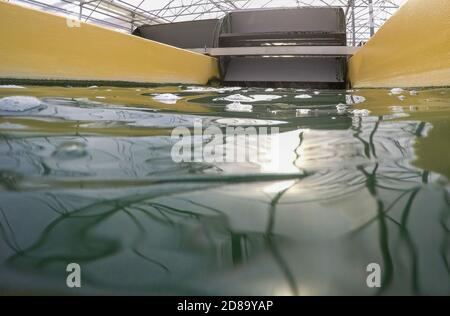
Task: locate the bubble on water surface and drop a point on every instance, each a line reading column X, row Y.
column 167, row 98
column 237, row 106
column 354, row 99
column 265, row 97
column 251, row 98
column 397, row 91
column 210, row 89
column 303, row 96
column 11, row 86
column 235, row 97
column 19, row 103
column 247, row 122
column 362, row 112
column 303, row 111
column 341, row 107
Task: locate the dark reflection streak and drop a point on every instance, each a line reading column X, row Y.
column 297, row 155
column 130, row 157
column 137, row 252
column 6, row 239
column 83, row 233
column 404, row 233
column 370, row 222
column 402, row 167
column 153, row 217
column 393, row 220
column 397, row 199
column 202, row 205
column 163, row 214
column 407, row 209
column 11, row 242
column 425, row 176
column 246, row 244
column 236, row 248
column 116, row 205
column 445, row 245
column 175, row 210
column 356, row 135
column 273, row 246
column 141, row 236
column 51, row 207
column 61, row 204
column 420, row 129
column 371, row 184
column 382, row 215
column 57, row 201
column 399, row 147
column 372, row 134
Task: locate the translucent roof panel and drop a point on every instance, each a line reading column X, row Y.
column 364, row 17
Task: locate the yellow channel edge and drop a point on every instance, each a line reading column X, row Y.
column 412, row 49
column 42, row 46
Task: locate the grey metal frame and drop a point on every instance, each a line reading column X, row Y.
column 363, row 17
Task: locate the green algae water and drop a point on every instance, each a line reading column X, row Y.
column 87, row 177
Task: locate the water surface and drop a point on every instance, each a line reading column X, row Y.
column 86, row 176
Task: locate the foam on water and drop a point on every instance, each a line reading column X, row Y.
column 11, row 86
column 397, row 91
column 251, row 98
column 354, row 99
column 19, row 103
column 247, row 122
column 265, row 97
column 235, row 97
column 200, row 89
column 362, row 112
column 303, row 111
column 303, row 96
column 237, row 106
column 167, row 98
column 341, row 107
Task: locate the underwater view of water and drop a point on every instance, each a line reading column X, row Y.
column 87, row 177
